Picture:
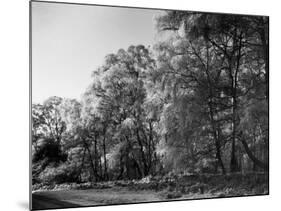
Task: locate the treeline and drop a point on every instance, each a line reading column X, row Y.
column 197, row 101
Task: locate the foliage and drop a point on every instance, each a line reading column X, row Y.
column 195, row 102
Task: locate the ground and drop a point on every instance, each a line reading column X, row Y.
column 123, row 192
column 73, row 198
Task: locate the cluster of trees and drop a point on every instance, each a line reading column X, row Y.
column 197, row 101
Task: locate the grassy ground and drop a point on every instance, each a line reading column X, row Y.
column 121, row 192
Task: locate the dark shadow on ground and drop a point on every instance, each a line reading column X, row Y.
column 43, row 202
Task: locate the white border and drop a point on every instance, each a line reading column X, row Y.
column 14, row 86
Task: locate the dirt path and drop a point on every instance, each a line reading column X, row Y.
column 90, row 197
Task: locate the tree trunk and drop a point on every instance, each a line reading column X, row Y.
column 82, row 165
column 150, row 145
column 218, row 156
column 142, row 153
column 104, row 157
column 96, row 159
column 234, row 80
column 251, row 155
column 217, row 139
column 121, row 166
column 91, row 161
column 215, row 129
column 265, row 44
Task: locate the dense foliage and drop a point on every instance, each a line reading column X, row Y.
column 195, row 102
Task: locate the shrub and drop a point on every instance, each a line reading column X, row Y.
column 173, row 195
column 61, row 174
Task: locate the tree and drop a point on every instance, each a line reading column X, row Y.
column 188, row 65
column 118, row 95
column 47, row 120
column 214, row 52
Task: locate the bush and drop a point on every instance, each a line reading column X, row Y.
column 57, row 175
column 173, row 195
column 50, row 150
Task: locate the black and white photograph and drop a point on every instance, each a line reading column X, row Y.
column 135, row 105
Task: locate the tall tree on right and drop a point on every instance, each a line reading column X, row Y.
column 232, row 52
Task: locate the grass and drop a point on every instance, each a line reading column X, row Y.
column 203, row 186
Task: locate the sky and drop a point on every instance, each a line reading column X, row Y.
column 70, row 41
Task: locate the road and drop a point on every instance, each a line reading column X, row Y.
column 90, row 197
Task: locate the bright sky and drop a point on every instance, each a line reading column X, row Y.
column 70, row 41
